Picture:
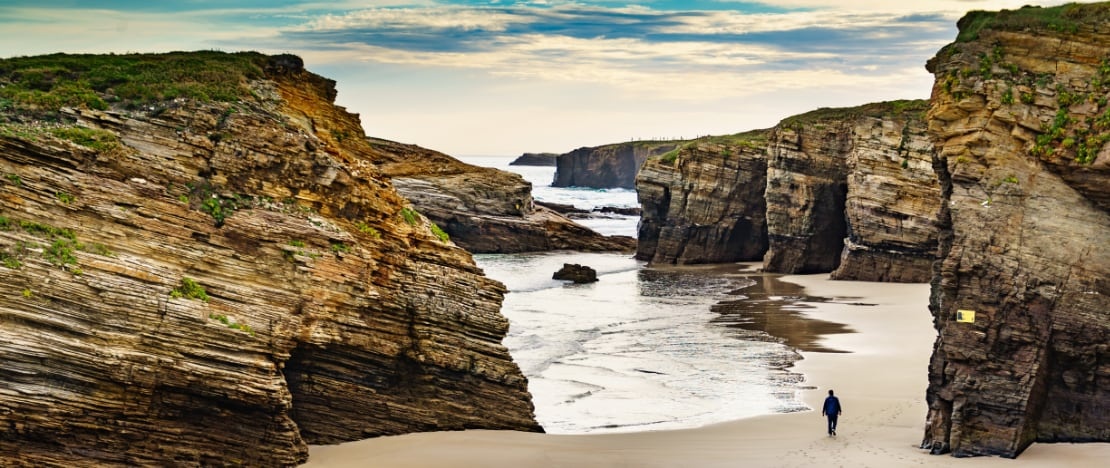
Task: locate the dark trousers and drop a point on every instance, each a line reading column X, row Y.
column 832, row 423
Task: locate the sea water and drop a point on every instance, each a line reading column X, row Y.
column 639, row 349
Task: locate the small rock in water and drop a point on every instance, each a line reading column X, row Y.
column 575, row 272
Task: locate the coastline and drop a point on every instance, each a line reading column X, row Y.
column 881, row 383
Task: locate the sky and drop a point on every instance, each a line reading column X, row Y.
column 504, row 77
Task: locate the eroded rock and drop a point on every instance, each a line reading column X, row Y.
column 219, row 283
column 1025, row 221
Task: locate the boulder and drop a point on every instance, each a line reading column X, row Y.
column 576, row 273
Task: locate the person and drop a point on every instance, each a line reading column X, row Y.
column 832, row 410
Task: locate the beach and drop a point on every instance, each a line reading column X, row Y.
column 881, row 383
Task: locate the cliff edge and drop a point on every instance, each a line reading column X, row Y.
column 202, row 265
column 1021, row 294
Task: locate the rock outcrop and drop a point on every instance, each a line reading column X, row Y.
column 608, row 166
column 849, row 191
column 1022, row 131
column 703, row 202
column 853, row 184
column 483, row 210
column 576, row 273
column 221, row 280
column 535, row 159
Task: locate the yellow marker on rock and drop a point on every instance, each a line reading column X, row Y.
column 966, row 316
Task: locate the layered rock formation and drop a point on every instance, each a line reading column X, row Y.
column 852, row 191
column 483, row 210
column 849, row 191
column 221, row 282
column 703, row 202
column 1021, row 124
column 608, row 166
column 535, row 159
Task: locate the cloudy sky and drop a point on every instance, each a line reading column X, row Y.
column 502, row 77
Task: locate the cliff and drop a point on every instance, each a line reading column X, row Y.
column 849, row 191
column 535, row 159
column 703, row 202
column 211, row 271
column 852, row 191
column 1021, row 125
column 608, row 166
column 481, row 209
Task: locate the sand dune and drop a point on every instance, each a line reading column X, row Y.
column 881, row 384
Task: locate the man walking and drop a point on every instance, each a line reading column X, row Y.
column 831, row 409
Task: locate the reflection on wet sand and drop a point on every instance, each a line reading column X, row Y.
column 775, row 307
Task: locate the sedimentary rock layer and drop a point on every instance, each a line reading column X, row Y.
column 851, row 190
column 483, row 210
column 221, row 283
column 1020, row 121
column 703, row 202
column 608, row 166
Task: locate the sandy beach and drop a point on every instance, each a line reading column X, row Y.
column 881, row 383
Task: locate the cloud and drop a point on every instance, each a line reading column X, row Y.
column 414, row 67
column 682, row 55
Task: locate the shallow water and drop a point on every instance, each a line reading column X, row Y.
column 641, row 349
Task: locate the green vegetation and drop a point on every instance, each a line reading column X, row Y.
column 1010, row 179
column 751, row 139
column 27, row 293
column 189, row 289
column 1063, row 18
column 339, row 247
column 443, row 237
column 60, row 252
column 214, row 204
column 232, row 325
column 367, row 229
column 9, row 260
column 297, row 243
column 410, row 215
column 1008, row 96
column 15, row 180
column 45, row 230
column 877, row 109
column 64, row 197
column 46, row 83
column 99, row 249
column 93, row 138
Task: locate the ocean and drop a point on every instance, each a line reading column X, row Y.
column 639, row 349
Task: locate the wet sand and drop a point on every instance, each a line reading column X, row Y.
column 881, row 380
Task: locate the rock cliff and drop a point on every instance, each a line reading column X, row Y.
column 703, row 202
column 851, row 190
column 213, row 272
column 1021, row 125
column 535, row 159
column 608, row 166
column 483, row 210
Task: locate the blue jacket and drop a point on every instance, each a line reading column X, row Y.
column 832, row 406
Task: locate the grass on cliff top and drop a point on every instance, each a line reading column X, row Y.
column 44, row 84
column 748, row 139
column 875, row 109
column 1063, row 18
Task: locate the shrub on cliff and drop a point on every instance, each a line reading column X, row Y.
column 44, row 84
column 1063, row 18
